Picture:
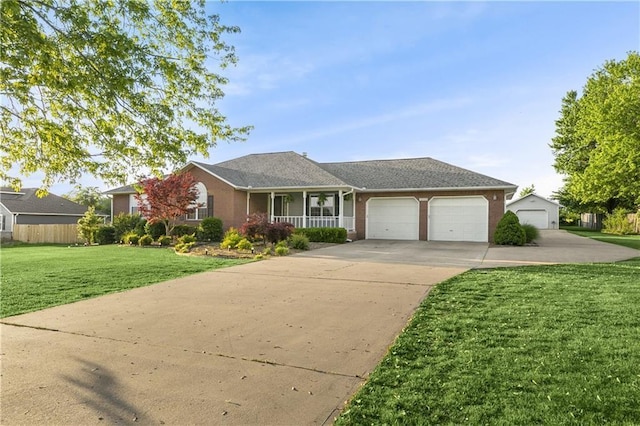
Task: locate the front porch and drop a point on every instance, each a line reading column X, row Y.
column 307, row 209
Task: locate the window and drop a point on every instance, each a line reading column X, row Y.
column 2, row 223
column 326, row 208
column 204, row 204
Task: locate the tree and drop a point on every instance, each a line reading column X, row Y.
column 89, row 86
column 90, row 196
column 597, row 142
column 166, row 200
column 88, row 225
column 527, row 190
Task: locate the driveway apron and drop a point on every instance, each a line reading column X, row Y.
column 283, row 341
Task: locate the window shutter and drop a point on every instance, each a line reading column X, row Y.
column 209, row 205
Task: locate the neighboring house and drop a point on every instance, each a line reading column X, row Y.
column 411, row 199
column 537, row 211
column 24, row 207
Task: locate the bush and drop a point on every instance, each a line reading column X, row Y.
column 324, row 235
column 509, row 232
column 279, row 231
column 125, row 224
column 244, row 244
column 180, row 230
column 299, row 242
column 617, row 223
column 531, row 233
column 210, row 229
column 184, row 247
column 266, row 251
column 131, row 238
column 106, row 235
column 164, row 240
column 156, row 230
column 282, row 249
column 145, row 240
column 187, row 238
column 231, row 238
column 256, row 226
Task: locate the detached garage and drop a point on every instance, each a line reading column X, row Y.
column 393, row 218
column 537, row 211
column 459, row 219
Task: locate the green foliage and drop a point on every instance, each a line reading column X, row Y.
column 299, row 242
column 184, row 247
column 180, row 230
column 244, row 244
column 617, row 223
column 210, row 229
column 231, row 238
column 91, row 86
column 156, row 230
column 88, row 225
column 131, row 238
column 324, row 235
column 164, row 240
column 187, row 238
column 145, row 240
column 125, row 223
column 531, row 232
column 509, row 232
column 259, row 256
column 266, row 251
column 282, row 249
column 90, row 196
column 106, row 235
column 527, row 190
column 597, row 137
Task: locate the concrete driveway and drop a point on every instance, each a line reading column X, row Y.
column 283, row 341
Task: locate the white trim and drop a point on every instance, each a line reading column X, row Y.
column 417, row 212
column 465, row 188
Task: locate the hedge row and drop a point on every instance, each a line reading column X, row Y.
column 324, row 235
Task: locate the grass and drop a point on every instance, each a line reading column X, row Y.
column 37, row 277
column 530, row 345
column 632, row 241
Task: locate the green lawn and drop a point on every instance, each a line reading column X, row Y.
column 37, row 277
column 515, row 346
column 632, row 241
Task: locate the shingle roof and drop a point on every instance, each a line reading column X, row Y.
column 292, row 170
column 26, row 201
column 412, row 173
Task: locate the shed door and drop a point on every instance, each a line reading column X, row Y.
column 459, row 219
column 537, row 218
column 393, row 218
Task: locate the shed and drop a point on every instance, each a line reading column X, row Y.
column 537, row 211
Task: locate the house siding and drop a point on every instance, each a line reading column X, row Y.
column 28, row 219
column 496, row 208
column 120, row 204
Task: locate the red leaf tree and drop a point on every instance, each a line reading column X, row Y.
column 166, row 200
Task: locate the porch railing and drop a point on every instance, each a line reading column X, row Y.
column 317, row 221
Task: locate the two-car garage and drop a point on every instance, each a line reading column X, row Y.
column 462, row 218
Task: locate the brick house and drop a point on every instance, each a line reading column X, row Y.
column 406, row 199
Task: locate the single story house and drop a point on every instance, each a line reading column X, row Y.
column 408, row 199
column 24, row 207
column 537, row 211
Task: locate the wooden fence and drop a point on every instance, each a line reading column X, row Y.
column 57, row 234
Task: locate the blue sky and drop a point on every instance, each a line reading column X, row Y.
column 475, row 84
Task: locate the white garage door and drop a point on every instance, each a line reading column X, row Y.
column 392, row 218
column 459, row 219
column 537, row 218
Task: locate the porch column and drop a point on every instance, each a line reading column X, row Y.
column 272, row 207
column 353, row 202
column 304, row 209
column 341, row 207
column 248, row 198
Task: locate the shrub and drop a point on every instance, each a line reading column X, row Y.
column 88, row 225
column 258, row 256
column 617, row 223
column 256, row 226
column 184, row 247
column 106, row 235
column 279, row 231
column 324, row 235
column 531, row 233
column 244, row 244
column 282, row 250
column 126, row 223
column 210, row 229
column 145, row 240
column 131, row 238
column 164, row 240
column 509, row 232
column 187, row 238
column 180, row 230
column 231, row 238
column 156, row 230
column 299, row 242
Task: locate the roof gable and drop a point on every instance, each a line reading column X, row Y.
column 533, row 195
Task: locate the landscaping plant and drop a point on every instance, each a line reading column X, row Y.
column 231, row 239
column 145, row 240
column 531, row 232
column 88, row 225
column 244, row 244
column 617, row 223
column 210, row 229
column 255, row 227
column 299, row 242
column 106, row 235
column 509, row 231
